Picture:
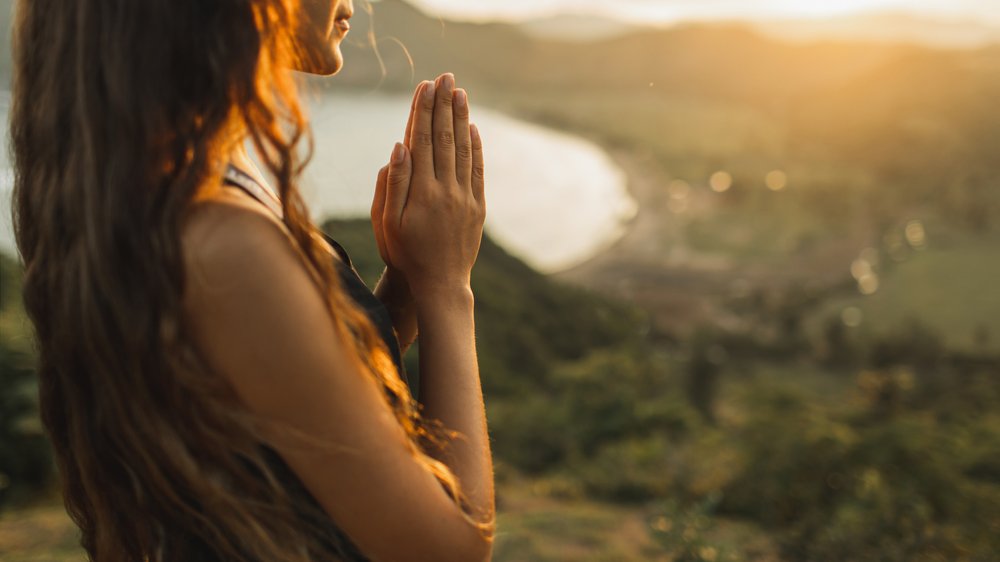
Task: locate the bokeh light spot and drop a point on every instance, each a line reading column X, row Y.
column 679, row 189
column 861, row 268
column 852, row 317
column 776, row 180
column 868, row 284
column 916, row 235
column 721, row 181
column 662, row 524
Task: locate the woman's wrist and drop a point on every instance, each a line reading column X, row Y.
column 443, row 295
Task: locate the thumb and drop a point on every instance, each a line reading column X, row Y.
column 397, row 186
column 378, row 211
column 378, row 202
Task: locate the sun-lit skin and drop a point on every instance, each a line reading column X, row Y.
column 323, row 25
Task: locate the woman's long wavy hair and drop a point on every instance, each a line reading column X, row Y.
column 121, row 111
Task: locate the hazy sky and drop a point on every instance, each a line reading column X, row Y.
column 672, row 10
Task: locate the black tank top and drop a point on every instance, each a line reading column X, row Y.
column 335, row 541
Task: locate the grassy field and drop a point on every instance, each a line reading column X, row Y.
column 40, row 533
column 949, row 288
column 534, row 524
column 787, row 437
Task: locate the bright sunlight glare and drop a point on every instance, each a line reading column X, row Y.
column 666, row 11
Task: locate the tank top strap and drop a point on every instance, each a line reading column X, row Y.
column 238, row 178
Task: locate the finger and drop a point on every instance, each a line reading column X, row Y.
column 463, row 139
column 413, row 109
column 378, row 205
column 478, row 165
column 444, row 128
column 422, row 137
column 397, row 186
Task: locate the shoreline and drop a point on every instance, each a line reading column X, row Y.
column 650, row 264
column 654, row 266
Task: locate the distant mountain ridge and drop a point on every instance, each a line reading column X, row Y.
column 577, row 27
column 884, row 27
column 560, row 49
column 397, row 19
column 716, row 60
column 890, row 27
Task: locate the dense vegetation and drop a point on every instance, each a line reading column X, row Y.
column 25, row 462
column 893, row 455
column 526, row 323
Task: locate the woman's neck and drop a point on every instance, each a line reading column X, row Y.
column 240, row 157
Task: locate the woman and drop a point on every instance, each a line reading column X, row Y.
column 213, row 382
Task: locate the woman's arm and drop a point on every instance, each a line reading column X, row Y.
column 261, row 321
column 433, row 219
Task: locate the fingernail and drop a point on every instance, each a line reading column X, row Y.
column 461, row 98
column 398, row 154
column 448, row 82
column 429, row 91
column 475, row 131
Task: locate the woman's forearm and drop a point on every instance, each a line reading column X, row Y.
column 450, row 391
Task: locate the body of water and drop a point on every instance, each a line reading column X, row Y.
column 552, row 199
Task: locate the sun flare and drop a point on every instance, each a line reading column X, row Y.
column 666, row 11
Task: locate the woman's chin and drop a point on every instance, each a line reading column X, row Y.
column 326, row 64
column 333, row 62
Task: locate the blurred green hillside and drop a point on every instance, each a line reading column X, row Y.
column 610, row 445
column 526, row 323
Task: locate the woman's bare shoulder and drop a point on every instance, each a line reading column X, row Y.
column 230, row 225
column 227, row 237
column 225, row 218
